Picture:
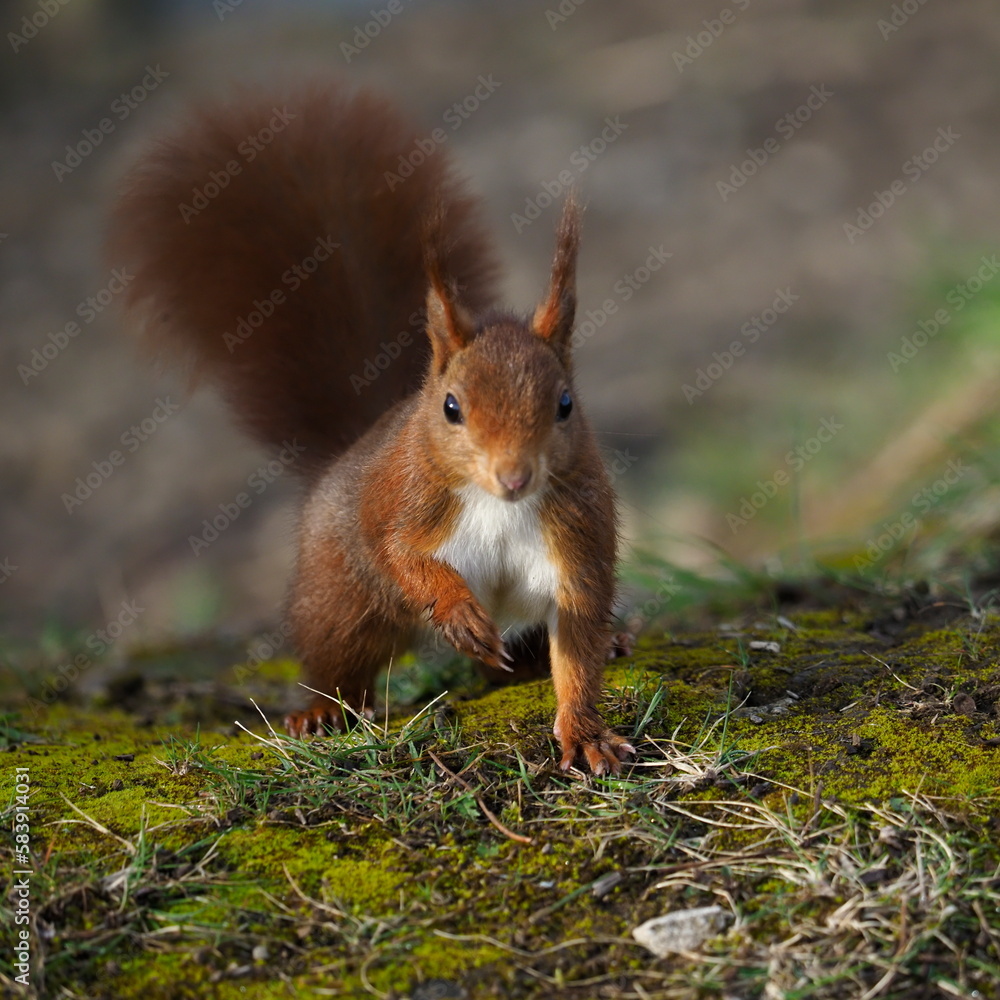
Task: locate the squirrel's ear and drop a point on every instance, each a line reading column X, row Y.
column 554, row 317
column 449, row 326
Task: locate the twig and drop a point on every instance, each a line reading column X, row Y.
column 99, row 827
column 898, row 678
column 479, row 801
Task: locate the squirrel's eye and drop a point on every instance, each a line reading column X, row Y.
column 452, row 411
column 565, row 406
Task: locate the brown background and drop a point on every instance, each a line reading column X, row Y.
column 655, row 185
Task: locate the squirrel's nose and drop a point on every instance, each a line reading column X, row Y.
column 514, row 479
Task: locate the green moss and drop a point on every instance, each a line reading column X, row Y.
column 519, row 713
column 75, row 761
column 179, row 976
column 319, row 866
column 392, row 851
column 935, row 758
column 433, row 957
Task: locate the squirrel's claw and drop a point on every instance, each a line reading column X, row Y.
column 318, row 720
column 471, row 631
column 310, row 722
column 603, row 750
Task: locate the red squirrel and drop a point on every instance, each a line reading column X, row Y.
column 278, row 248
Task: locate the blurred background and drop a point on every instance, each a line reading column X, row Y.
column 789, row 290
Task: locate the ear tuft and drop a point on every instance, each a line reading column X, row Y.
column 553, row 319
column 449, row 326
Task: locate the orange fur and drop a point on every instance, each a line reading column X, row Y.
column 482, row 439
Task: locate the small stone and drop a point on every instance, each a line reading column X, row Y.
column 757, row 720
column 235, row 815
column 438, row 989
column 765, row 647
column 683, row 930
column 889, row 835
column 260, row 953
column 605, row 884
column 874, row 876
column 964, row 703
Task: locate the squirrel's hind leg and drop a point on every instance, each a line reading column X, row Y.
column 340, row 665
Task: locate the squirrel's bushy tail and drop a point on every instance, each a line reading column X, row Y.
column 277, row 247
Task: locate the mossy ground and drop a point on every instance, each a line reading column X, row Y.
column 837, row 793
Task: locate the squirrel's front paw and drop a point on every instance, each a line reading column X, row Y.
column 319, row 719
column 471, row 631
column 588, row 738
column 311, row 722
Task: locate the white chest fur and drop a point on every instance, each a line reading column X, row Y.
column 498, row 549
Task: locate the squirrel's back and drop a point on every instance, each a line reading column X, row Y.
column 279, row 249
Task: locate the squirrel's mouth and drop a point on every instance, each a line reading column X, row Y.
column 495, row 488
column 512, row 496
column 529, row 491
column 516, row 490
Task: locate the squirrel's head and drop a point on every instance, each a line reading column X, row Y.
column 499, row 396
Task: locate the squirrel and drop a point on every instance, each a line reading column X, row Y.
column 277, row 250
